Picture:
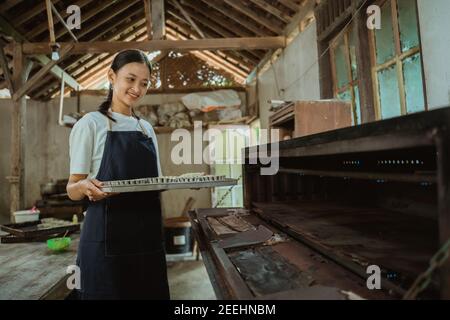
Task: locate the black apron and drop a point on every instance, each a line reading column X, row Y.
column 121, row 253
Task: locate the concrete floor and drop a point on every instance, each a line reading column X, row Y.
column 188, row 280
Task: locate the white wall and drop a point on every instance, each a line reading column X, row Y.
column 435, row 34
column 296, row 71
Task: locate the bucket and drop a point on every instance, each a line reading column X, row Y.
column 178, row 235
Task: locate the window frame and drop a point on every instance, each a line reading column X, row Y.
column 345, row 34
column 398, row 59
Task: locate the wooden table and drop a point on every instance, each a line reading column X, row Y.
column 30, row 271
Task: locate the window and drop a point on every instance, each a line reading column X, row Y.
column 228, row 146
column 397, row 61
column 344, row 65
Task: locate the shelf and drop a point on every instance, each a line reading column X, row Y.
column 399, row 177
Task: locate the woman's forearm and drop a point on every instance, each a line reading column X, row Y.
column 76, row 190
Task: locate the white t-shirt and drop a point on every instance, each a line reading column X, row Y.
column 88, row 137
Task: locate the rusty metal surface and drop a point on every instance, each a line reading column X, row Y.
column 266, row 272
column 362, row 235
column 246, row 238
column 320, row 276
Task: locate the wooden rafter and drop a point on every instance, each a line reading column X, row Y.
column 41, row 28
column 218, row 32
column 86, row 60
column 290, row 4
column 238, row 5
column 48, row 5
column 95, row 24
column 305, row 9
column 221, row 32
column 207, row 55
column 80, row 71
column 210, row 15
column 42, row 59
column 188, row 18
column 27, row 15
column 238, row 18
column 155, row 45
column 39, row 75
column 120, row 25
column 6, row 5
column 275, row 11
column 179, row 28
column 61, row 20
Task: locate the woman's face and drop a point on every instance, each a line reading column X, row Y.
column 130, row 83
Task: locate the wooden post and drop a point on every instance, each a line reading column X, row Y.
column 148, row 18
column 443, row 158
column 158, row 20
column 48, row 5
column 16, row 177
column 364, row 67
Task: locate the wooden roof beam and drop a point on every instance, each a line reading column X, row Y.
column 35, row 32
column 106, row 18
column 205, row 56
column 238, row 5
column 8, row 4
column 290, row 4
column 155, row 45
column 42, row 59
column 218, row 29
column 85, row 60
column 23, row 90
column 212, row 57
column 63, row 22
column 121, row 27
column 243, row 62
column 276, row 12
column 48, row 5
column 188, row 18
column 31, row 13
column 238, row 18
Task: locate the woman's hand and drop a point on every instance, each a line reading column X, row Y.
column 79, row 187
column 92, row 189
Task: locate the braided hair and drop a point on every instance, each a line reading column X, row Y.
column 121, row 59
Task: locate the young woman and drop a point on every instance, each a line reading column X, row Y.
column 121, row 253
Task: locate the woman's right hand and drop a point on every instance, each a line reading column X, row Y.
column 92, row 189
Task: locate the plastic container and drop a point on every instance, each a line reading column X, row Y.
column 59, row 244
column 26, row 215
column 178, row 235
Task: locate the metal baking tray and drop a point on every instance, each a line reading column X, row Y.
column 169, row 186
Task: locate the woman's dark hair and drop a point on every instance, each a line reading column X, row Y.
column 121, row 59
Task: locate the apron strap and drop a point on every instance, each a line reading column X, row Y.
column 108, row 123
column 139, row 122
column 142, row 128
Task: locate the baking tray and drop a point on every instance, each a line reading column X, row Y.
column 169, row 186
